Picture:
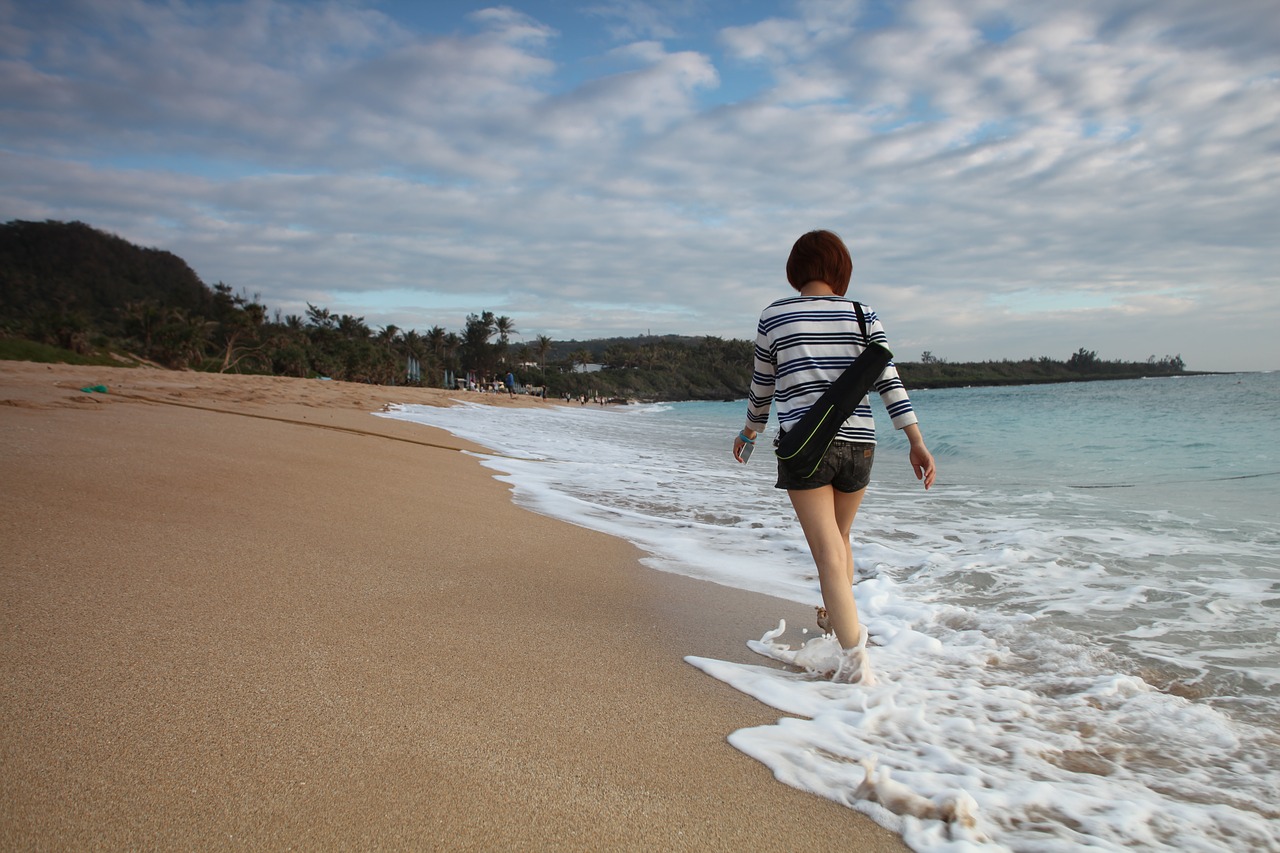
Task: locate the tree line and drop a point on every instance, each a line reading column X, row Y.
column 1082, row 365
column 82, row 292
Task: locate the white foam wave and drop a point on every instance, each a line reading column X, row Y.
column 1047, row 750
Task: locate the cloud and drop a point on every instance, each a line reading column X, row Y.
column 636, row 20
column 1013, row 179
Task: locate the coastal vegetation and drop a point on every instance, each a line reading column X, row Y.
column 69, row 292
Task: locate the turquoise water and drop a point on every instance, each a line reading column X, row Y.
column 1209, row 445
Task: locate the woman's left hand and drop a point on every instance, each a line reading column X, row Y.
column 922, row 464
column 921, row 458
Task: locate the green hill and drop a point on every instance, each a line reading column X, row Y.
column 68, row 274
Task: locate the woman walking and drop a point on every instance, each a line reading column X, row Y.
column 803, row 343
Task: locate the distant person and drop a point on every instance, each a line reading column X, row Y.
column 511, row 384
column 803, row 342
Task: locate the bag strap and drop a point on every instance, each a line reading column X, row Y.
column 862, row 323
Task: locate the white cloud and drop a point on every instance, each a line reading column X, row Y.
column 773, row 40
column 1014, row 179
column 637, row 20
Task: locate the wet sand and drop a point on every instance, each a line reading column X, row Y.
column 242, row 612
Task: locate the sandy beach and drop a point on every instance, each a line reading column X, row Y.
column 243, row 613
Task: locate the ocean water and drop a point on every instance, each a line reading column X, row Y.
column 1075, row 635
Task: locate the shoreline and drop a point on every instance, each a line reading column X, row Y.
column 243, row 611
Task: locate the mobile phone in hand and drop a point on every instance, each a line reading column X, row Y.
column 745, row 453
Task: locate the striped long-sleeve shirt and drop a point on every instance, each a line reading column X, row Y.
column 802, row 344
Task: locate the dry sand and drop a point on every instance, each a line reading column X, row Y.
column 243, row 613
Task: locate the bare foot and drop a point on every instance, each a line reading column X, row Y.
column 854, row 666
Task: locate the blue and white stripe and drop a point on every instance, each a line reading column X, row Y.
column 802, row 344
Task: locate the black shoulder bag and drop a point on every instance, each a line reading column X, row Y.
column 802, row 447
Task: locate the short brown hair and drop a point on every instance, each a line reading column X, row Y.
column 820, row 256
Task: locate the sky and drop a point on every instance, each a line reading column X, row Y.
column 1013, row 179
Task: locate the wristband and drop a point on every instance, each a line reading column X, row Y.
column 743, row 435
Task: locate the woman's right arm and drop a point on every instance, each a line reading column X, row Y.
column 760, row 394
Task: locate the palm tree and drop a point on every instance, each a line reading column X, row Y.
column 505, row 327
column 320, row 317
column 452, row 343
column 353, row 328
column 413, row 344
column 410, row 347
column 542, row 347
column 436, row 342
column 386, row 361
column 476, row 350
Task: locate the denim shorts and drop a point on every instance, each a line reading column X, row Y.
column 846, row 467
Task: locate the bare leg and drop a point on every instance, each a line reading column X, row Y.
column 826, row 516
column 847, row 504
